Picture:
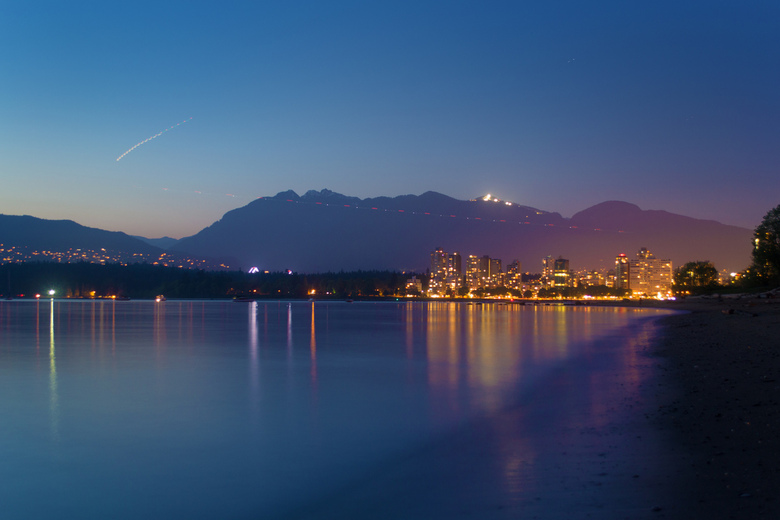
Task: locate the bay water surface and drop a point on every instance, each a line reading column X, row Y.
column 204, row 409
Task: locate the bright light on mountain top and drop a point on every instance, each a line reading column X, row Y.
column 489, row 198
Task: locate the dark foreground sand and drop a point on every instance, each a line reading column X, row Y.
column 720, row 404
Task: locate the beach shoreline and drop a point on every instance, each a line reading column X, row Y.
column 719, row 404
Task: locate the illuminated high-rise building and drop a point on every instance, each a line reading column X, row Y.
column 561, row 273
column 548, row 271
column 473, row 276
column 513, row 278
column 445, row 272
column 622, row 272
column 555, row 272
column 591, row 278
column 438, row 272
column 650, row 276
column 609, row 279
column 483, row 272
column 454, row 279
column 490, row 271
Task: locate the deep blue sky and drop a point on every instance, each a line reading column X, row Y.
column 557, row 105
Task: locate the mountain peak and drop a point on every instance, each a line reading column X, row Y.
column 610, row 207
column 326, row 195
column 323, row 193
column 289, row 194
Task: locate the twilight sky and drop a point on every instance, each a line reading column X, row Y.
column 558, row 105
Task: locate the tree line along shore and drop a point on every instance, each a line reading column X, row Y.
column 145, row 281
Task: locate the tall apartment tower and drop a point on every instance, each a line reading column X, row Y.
column 473, row 278
column 513, row 278
column 622, row 272
column 438, row 272
column 548, row 271
column 650, row 276
column 454, row 277
column 495, row 275
column 561, row 272
column 485, row 272
column 445, row 272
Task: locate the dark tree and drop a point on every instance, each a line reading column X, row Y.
column 695, row 278
column 766, row 249
column 599, row 291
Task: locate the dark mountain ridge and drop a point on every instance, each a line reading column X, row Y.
column 162, row 242
column 61, row 235
column 25, row 238
column 326, row 231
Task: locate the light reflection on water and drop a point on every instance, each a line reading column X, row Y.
column 198, row 405
column 54, row 397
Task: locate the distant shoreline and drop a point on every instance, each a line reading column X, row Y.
column 694, row 304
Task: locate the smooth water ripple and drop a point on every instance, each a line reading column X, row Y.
column 200, row 409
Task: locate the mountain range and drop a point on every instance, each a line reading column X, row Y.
column 60, row 235
column 25, row 238
column 327, row 231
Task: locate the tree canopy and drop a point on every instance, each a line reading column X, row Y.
column 766, row 249
column 695, row 278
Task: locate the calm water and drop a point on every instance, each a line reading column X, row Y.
column 272, row 410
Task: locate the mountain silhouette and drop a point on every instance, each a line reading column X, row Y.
column 327, row 231
column 61, row 235
column 23, row 238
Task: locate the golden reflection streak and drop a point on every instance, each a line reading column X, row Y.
column 93, row 329
column 410, row 330
column 489, row 352
column 37, row 330
column 53, row 395
column 441, row 345
column 159, row 331
column 113, row 328
column 101, row 322
column 313, row 349
column 479, row 345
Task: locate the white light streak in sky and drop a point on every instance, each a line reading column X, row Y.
column 152, row 137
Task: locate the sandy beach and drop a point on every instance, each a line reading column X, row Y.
column 719, row 395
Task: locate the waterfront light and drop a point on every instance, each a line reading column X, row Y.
column 51, row 293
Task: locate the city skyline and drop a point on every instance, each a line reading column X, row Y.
column 456, row 274
column 668, row 106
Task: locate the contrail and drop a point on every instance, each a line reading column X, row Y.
column 153, row 137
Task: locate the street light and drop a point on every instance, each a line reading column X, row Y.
column 51, row 293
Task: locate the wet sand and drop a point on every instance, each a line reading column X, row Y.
column 721, row 407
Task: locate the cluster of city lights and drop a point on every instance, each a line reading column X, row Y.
column 20, row 254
